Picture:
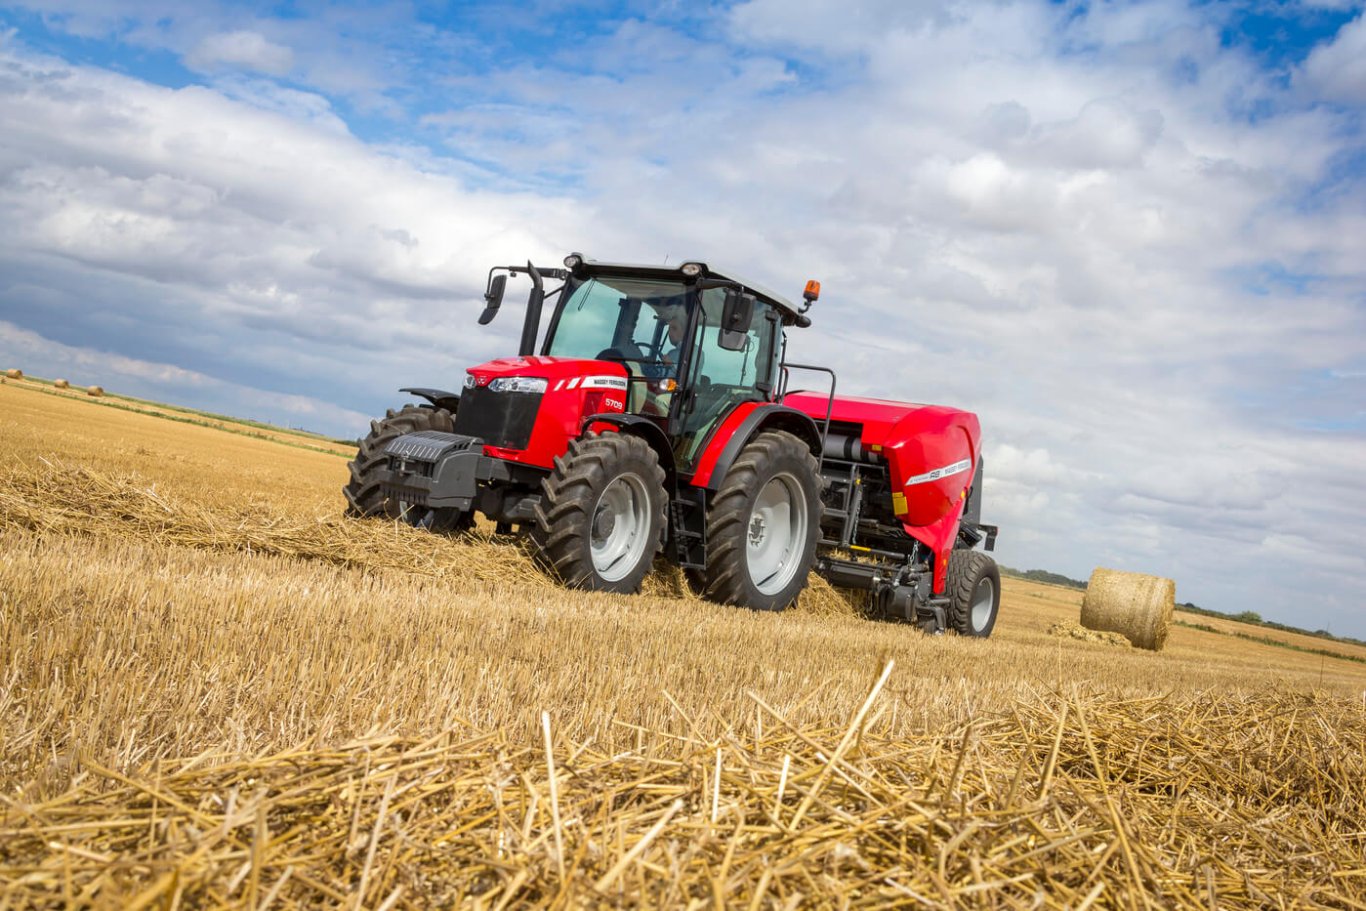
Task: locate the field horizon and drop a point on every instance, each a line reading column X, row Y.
column 218, row 692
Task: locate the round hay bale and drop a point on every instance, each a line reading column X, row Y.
column 14, row 374
column 94, row 390
column 1133, row 604
column 61, row 384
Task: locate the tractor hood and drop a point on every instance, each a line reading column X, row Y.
column 527, row 409
column 552, row 369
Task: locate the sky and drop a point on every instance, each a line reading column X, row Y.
column 1129, row 236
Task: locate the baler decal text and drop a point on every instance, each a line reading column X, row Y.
column 946, row 471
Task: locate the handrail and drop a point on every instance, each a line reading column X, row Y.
column 784, row 367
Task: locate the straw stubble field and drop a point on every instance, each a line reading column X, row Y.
column 215, row 692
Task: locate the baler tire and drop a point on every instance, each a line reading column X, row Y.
column 574, row 533
column 973, row 607
column 364, row 499
column 769, row 458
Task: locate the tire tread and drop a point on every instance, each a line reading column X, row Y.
column 569, row 495
column 725, row 578
column 966, row 567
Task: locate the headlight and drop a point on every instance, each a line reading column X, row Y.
column 691, row 270
column 573, row 261
column 469, row 381
column 518, row 384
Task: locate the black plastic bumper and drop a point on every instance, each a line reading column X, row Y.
column 439, row 470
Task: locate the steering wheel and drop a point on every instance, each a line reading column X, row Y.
column 620, row 354
column 652, row 368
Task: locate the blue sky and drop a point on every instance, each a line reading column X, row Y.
column 1128, row 235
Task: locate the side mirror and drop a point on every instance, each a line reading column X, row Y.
column 737, row 314
column 493, row 299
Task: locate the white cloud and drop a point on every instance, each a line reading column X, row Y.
column 1070, row 223
column 246, row 49
column 1337, row 72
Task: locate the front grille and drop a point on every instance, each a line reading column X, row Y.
column 417, row 454
column 502, row 419
column 426, row 445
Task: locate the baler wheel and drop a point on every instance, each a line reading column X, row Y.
column 600, row 521
column 763, row 525
column 363, row 495
column 974, row 588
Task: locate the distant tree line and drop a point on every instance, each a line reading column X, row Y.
column 1043, row 575
column 1247, row 616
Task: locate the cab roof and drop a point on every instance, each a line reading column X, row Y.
column 789, row 310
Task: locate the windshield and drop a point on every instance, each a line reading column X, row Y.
column 625, row 319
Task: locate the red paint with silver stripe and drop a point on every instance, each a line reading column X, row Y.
column 575, row 387
column 931, row 454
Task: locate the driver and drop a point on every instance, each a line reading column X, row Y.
column 677, row 319
column 659, row 391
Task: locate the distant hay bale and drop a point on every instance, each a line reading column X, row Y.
column 14, row 374
column 61, row 384
column 1136, row 605
column 94, row 390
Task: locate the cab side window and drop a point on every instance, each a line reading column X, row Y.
column 724, row 376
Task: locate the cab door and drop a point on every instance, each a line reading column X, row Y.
column 725, row 370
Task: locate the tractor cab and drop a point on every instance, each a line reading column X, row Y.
column 693, row 348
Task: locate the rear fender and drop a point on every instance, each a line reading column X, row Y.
column 744, row 423
column 646, row 429
column 438, row 397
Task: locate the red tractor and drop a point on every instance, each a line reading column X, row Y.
column 657, row 417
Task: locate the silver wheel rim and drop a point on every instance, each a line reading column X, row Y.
column 776, row 534
column 621, row 522
column 982, row 599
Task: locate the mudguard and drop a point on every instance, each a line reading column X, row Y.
column 739, row 427
column 641, row 427
column 438, row 397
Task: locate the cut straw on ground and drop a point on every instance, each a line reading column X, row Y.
column 1036, row 807
column 216, row 693
column 53, row 497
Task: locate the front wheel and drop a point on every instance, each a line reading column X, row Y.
column 364, row 495
column 762, row 526
column 974, row 588
column 601, row 517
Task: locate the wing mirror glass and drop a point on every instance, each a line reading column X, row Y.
column 738, row 311
column 493, row 299
column 737, row 315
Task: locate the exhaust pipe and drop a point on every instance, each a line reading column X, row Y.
column 532, row 326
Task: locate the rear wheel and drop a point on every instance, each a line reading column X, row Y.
column 763, row 524
column 974, row 588
column 601, row 517
column 364, row 497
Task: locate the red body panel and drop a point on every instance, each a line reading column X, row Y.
column 931, row 454
column 574, row 388
column 706, row 465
